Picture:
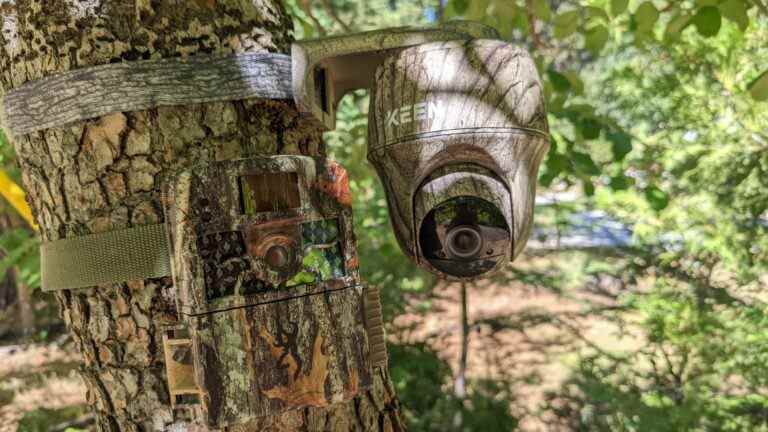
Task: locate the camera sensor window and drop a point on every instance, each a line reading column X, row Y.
column 270, row 192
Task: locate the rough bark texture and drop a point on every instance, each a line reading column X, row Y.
column 107, row 174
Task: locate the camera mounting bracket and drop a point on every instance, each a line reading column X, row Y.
column 324, row 70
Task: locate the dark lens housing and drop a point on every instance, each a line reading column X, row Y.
column 464, row 242
column 464, row 236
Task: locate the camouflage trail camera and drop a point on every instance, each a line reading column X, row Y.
column 265, row 265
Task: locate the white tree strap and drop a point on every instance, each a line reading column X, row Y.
column 82, row 94
column 115, row 256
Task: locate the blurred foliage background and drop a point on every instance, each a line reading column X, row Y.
column 640, row 303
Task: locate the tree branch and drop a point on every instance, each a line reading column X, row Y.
column 332, row 12
column 537, row 43
column 307, row 8
column 460, row 384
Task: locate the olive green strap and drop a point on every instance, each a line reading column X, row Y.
column 111, row 257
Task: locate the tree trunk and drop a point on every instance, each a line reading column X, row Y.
column 104, row 174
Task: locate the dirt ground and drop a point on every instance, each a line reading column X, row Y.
column 524, row 333
column 40, row 379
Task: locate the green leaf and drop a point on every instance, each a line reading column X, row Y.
column 584, row 164
column 596, row 38
column 675, row 27
column 597, row 13
column 477, row 11
column 566, row 24
column 736, row 11
column 758, row 88
column 541, row 10
column 505, row 9
column 557, row 102
column 621, row 182
column 589, row 188
column 557, row 163
column 583, row 109
column 576, row 83
column 618, row 7
column 460, row 6
column 546, row 178
column 21, row 248
column 621, row 145
column 301, row 278
column 589, row 128
column 708, row 21
column 516, row 19
column 559, row 81
column 646, row 16
column 657, row 198
column 306, row 27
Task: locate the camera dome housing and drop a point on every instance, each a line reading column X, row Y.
column 457, row 131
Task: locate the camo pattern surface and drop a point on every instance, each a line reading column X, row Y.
column 250, row 321
column 447, row 106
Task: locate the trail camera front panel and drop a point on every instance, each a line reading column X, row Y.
column 265, row 265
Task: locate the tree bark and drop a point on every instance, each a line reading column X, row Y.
column 106, row 174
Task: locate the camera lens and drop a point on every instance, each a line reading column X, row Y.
column 456, row 236
column 464, row 242
column 277, row 257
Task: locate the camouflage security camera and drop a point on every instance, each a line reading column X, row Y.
column 457, row 131
column 265, row 265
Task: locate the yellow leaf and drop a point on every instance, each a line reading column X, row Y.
column 16, row 197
